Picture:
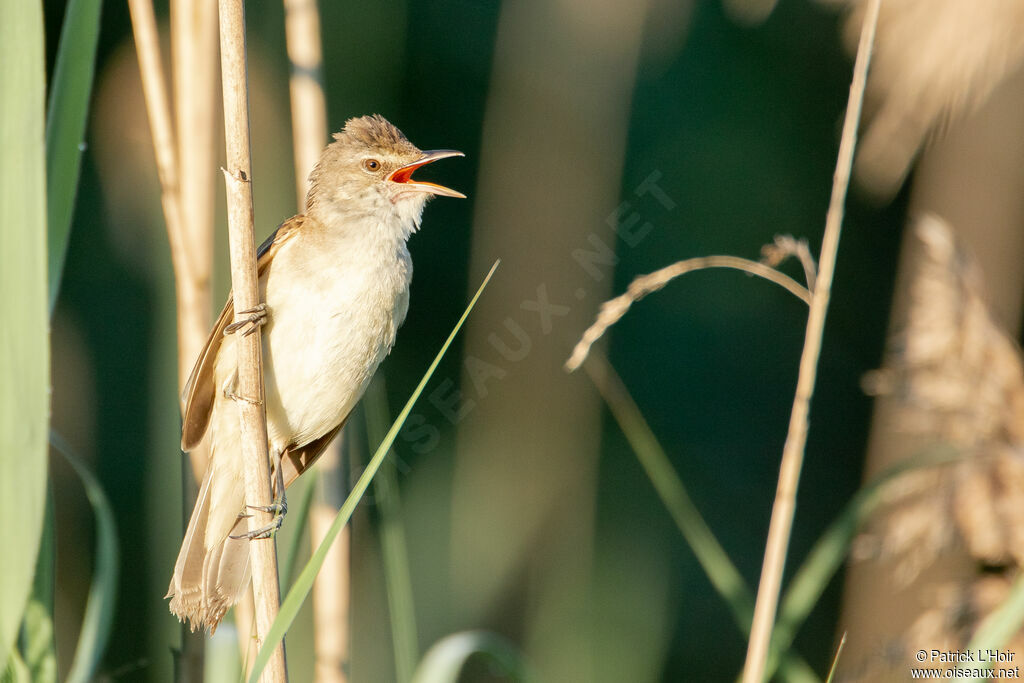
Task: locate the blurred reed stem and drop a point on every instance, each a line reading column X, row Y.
column 194, row 78
column 784, row 507
column 186, row 198
column 309, row 107
column 193, row 61
column 394, row 550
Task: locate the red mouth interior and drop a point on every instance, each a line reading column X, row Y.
column 404, row 174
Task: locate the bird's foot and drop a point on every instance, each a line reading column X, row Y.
column 279, row 508
column 256, row 318
column 266, row 531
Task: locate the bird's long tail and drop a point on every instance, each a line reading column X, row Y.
column 212, row 569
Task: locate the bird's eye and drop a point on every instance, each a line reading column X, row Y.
column 371, row 165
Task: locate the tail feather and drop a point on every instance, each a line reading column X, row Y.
column 212, row 569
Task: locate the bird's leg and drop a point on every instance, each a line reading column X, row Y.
column 279, row 506
column 257, row 317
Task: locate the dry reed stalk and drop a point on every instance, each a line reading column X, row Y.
column 191, row 254
column 331, row 590
column 244, row 281
column 783, row 508
column 245, row 624
column 193, row 74
column 309, row 108
column 193, row 55
column 147, row 46
column 613, row 310
column 189, row 297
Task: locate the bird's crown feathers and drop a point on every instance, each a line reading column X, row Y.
column 373, row 131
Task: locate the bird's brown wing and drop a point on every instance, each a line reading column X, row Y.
column 200, row 390
column 298, row 460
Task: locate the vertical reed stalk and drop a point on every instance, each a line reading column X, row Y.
column 309, row 108
column 193, row 60
column 154, row 89
column 331, row 590
column 193, row 75
column 796, row 439
column 245, row 285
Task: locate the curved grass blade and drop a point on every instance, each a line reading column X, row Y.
column 65, row 126
column 99, row 609
column 444, row 661
column 713, row 559
column 304, row 583
column 24, row 319
column 716, row 563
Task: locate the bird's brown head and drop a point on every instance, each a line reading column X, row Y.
column 369, row 167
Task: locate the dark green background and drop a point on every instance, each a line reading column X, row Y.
column 743, row 123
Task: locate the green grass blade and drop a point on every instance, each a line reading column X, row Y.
column 444, row 661
column 712, row 557
column 65, row 126
column 394, row 551
column 830, row 551
column 998, row 627
column 24, row 319
column 720, row 570
column 304, row 583
column 37, row 630
column 99, row 608
column 835, row 660
column 300, row 510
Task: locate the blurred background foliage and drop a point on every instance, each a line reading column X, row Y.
column 741, row 125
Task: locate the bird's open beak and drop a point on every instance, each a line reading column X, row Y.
column 404, row 174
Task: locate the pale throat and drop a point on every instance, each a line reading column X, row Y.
column 374, row 213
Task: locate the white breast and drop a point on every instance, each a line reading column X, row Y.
column 334, row 310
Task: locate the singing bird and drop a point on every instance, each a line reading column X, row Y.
column 335, row 286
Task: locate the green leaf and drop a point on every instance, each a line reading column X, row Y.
column 65, row 126
column 304, row 584
column 444, row 661
column 394, row 551
column 100, row 606
column 37, row 631
column 24, row 319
